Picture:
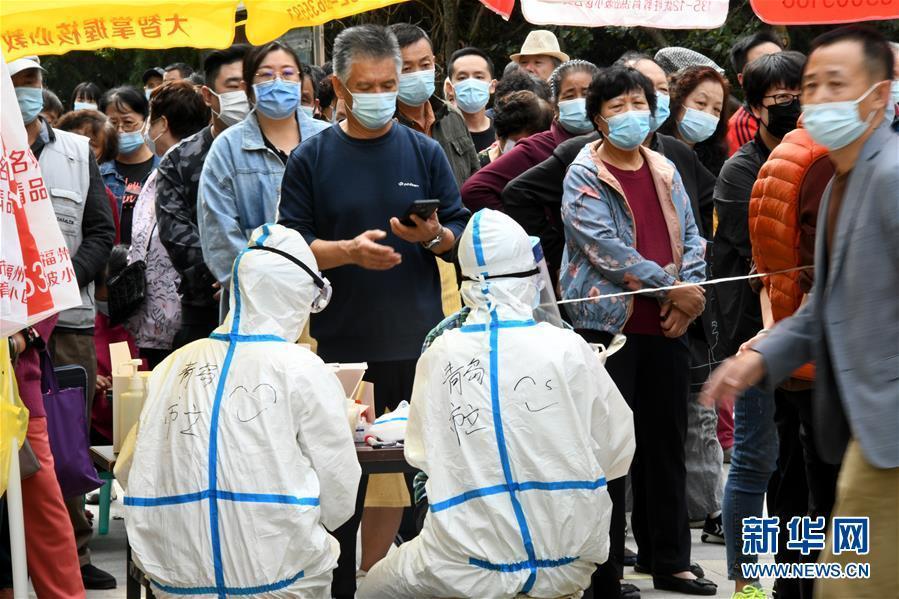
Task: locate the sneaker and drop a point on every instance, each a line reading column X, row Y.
column 96, row 579
column 713, row 531
column 750, row 591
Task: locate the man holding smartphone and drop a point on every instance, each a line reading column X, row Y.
column 346, row 193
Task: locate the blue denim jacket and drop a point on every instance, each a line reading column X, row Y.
column 240, row 188
column 600, row 254
column 115, row 181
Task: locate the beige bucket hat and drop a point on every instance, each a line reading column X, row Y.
column 541, row 41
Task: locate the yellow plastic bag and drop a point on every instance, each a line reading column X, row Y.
column 13, row 414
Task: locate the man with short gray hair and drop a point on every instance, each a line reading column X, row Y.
column 339, row 190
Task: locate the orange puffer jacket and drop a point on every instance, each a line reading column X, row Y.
column 774, row 223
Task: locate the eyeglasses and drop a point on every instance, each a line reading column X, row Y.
column 126, row 127
column 266, row 75
column 784, row 99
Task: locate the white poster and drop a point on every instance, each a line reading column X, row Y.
column 661, row 14
column 36, row 275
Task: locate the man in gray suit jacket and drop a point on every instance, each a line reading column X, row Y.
column 850, row 325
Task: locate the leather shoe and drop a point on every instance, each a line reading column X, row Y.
column 96, row 579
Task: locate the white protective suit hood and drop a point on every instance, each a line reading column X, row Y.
column 243, row 456
column 270, row 295
column 518, row 427
column 493, row 245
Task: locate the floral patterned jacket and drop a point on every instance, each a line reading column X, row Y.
column 158, row 319
column 600, row 256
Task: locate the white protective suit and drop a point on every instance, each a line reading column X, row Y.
column 518, row 427
column 243, row 453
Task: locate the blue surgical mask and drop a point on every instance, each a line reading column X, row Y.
column 663, row 111
column 697, row 126
column 308, row 111
column 374, row 111
column 472, row 95
column 416, row 88
column 277, row 99
column 628, row 129
column 894, row 91
column 84, row 106
column 151, row 141
column 835, row 125
column 148, row 92
column 31, row 102
column 573, row 116
column 130, row 142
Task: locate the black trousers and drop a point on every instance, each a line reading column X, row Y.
column 803, row 484
column 392, row 384
column 653, row 374
column 196, row 323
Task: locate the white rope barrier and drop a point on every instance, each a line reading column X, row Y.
column 682, row 285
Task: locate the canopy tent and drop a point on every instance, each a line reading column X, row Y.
column 691, row 14
column 41, row 27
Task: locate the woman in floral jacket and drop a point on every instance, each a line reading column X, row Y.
column 629, row 226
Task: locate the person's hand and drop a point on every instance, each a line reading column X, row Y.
column 365, row 251
column 217, row 296
column 688, row 298
column 104, row 383
column 674, row 321
column 748, row 345
column 732, row 378
column 423, row 231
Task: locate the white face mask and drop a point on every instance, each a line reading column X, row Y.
column 234, row 107
column 510, row 143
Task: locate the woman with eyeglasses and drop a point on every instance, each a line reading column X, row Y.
column 241, row 180
column 127, row 110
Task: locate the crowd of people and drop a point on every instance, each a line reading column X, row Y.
column 642, row 180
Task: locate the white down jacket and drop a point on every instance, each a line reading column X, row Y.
column 243, row 454
column 518, row 427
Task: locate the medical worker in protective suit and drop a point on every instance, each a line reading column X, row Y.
column 244, row 455
column 518, row 427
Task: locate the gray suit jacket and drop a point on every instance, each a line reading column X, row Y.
column 850, row 325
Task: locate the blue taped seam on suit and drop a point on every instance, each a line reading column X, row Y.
column 476, row 238
column 223, row 495
column 242, row 591
column 247, row 338
column 525, row 565
column 390, row 420
column 565, row 485
column 499, row 324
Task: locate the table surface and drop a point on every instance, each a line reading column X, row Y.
column 104, row 458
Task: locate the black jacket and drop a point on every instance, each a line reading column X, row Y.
column 529, row 196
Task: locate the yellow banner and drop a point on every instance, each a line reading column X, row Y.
column 269, row 19
column 13, row 414
column 44, row 27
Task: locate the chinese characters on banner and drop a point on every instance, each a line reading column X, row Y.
column 663, row 14
column 824, row 12
column 58, row 26
column 36, row 274
column 268, row 19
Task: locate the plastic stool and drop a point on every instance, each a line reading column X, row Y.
column 105, row 501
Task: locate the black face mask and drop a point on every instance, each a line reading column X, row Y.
column 782, row 119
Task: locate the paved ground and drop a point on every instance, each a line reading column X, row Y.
column 109, row 554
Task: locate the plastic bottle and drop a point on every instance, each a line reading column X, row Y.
column 131, row 402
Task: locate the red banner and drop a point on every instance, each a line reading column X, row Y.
column 824, row 12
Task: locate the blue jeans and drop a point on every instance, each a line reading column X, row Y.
column 752, row 463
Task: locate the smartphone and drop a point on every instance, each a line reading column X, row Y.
column 421, row 208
